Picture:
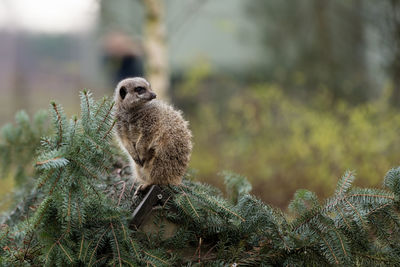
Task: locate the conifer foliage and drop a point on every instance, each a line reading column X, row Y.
column 83, row 200
column 18, row 144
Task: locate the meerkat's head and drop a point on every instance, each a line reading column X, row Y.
column 133, row 92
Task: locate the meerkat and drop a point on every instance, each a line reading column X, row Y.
column 154, row 134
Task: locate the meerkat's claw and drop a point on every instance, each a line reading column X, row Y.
column 139, row 162
column 138, row 190
column 141, row 188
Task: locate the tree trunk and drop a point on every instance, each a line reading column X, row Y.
column 155, row 46
column 323, row 65
column 394, row 67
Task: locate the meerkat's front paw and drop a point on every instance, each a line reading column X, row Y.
column 138, row 161
column 142, row 188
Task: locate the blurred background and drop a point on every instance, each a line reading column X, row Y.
column 289, row 94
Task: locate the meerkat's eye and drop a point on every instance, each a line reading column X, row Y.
column 140, row 90
column 123, row 92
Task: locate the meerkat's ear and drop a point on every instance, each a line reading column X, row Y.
column 123, row 92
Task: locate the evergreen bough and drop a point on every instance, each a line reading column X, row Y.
column 78, row 213
column 19, row 143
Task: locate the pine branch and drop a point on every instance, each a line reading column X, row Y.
column 134, row 249
column 378, row 208
column 109, row 130
column 97, row 245
column 66, row 253
column 50, row 250
column 106, row 117
column 39, row 163
column 343, row 217
column 375, row 258
column 356, row 211
column 344, row 183
column 190, row 203
column 331, row 204
column 60, row 128
column 98, row 147
column 79, row 214
column 44, row 181
column 85, row 169
column 226, row 209
column 116, row 243
column 81, row 247
column 155, row 257
column 28, row 244
column 100, row 107
column 75, row 204
column 330, row 248
column 128, row 263
column 87, row 103
column 55, row 183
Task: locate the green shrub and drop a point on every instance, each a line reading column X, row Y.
column 79, row 213
column 18, row 144
column 283, row 144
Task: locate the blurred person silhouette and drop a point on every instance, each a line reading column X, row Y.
column 123, row 57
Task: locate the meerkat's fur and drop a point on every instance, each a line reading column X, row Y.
column 153, row 133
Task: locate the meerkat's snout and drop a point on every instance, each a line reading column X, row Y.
column 152, row 95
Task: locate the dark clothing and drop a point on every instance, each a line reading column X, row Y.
column 124, row 67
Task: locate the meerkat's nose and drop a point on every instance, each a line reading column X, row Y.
column 152, row 95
